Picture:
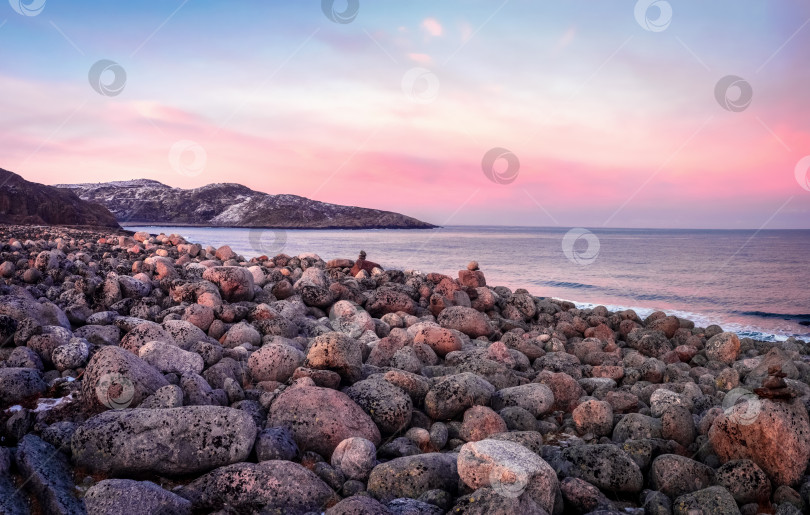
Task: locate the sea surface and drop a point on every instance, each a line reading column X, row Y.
column 756, row 283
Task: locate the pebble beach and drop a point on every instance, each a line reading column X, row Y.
column 144, row 373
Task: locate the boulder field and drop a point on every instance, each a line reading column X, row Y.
column 147, row 374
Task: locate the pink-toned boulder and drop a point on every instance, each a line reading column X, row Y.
column 439, row 339
column 773, row 434
column 224, row 253
column 235, row 283
column 320, row 418
column 469, row 321
column 510, row 469
column 723, row 347
column 594, row 417
column 481, row 422
column 338, row 352
column 274, row 362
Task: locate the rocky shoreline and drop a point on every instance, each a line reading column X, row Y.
column 148, row 374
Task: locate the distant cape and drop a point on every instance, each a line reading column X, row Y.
column 148, row 202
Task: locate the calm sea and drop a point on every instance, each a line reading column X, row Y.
column 754, row 283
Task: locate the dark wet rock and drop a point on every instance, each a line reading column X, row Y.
column 17, row 384
column 605, row 466
column 487, row 501
column 48, row 476
column 174, row 441
column 677, row 475
column 359, row 505
column 453, row 394
column 115, row 496
column 321, row 418
column 270, row 486
column 411, row 476
column 387, row 405
column 746, row 482
column 583, row 497
column 276, row 443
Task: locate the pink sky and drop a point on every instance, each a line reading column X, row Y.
column 613, row 125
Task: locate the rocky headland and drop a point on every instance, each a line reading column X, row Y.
column 148, row 374
column 148, row 202
column 25, row 202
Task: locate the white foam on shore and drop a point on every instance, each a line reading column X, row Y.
column 699, row 320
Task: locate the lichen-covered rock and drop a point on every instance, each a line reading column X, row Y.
column 677, row 475
column 411, row 476
column 168, row 358
column 453, row 394
column 723, row 347
column 275, row 362
column 174, row 441
column 116, row 379
column 469, row 321
column 338, row 352
column 510, row 469
column 746, row 482
column 605, row 466
column 773, row 434
column 387, row 405
column 17, row 384
column 235, row 283
column 270, row 486
column 714, row 500
column 537, row 398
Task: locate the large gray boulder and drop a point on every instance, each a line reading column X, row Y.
column 269, row 487
column 172, row 441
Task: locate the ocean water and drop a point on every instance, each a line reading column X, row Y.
column 754, row 283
